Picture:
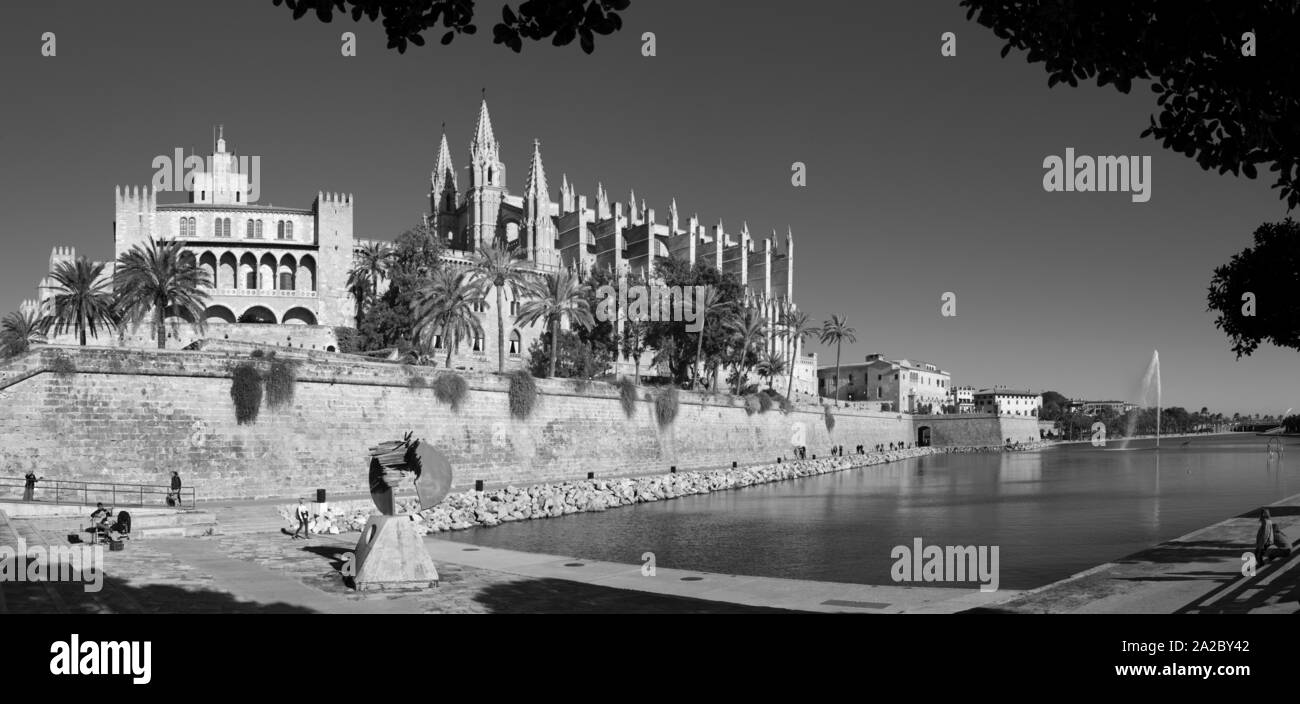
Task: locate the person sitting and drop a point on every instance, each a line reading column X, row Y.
column 99, row 519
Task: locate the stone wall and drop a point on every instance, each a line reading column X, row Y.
column 132, row 416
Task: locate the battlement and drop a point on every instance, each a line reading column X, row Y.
column 135, row 197
column 335, row 199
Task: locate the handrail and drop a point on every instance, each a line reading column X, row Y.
column 68, row 492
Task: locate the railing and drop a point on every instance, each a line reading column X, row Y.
column 60, row 491
column 262, row 292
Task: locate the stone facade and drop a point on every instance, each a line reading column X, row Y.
column 132, row 416
column 268, row 264
column 901, row 385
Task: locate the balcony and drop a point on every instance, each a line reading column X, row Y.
column 259, row 292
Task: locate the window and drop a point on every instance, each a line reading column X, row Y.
column 437, row 342
column 478, row 343
column 279, row 230
column 250, row 280
column 250, row 231
column 514, row 343
column 514, row 307
column 286, row 281
column 288, row 230
column 259, row 230
column 185, row 227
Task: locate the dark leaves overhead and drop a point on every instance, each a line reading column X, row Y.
column 406, row 21
column 1229, row 112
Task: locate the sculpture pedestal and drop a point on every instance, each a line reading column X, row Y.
column 391, row 555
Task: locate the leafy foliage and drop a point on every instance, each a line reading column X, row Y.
column 161, row 279
column 20, row 330
column 577, row 359
column 752, row 404
column 1271, row 271
column 451, row 389
column 523, row 393
column 627, row 396
column 63, row 366
column 667, row 404
column 246, row 391
column 829, row 418
column 446, row 307
column 712, row 344
column 280, row 380
column 1224, row 110
column 555, row 297
column 406, row 21
column 348, row 339
column 82, row 301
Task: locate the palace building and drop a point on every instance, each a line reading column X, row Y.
column 281, row 273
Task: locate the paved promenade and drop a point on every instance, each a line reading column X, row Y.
column 1198, row 573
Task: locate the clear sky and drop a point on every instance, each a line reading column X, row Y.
column 924, row 173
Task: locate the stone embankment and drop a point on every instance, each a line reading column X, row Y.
column 468, row 509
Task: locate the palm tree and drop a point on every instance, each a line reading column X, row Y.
column 374, row 258
column 22, row 329
column 163, row 279
column 837, row 330
column 359, row 285
column 770, row 365
column 82, row 300
column 446, row 307
column 554, row 297
column 746, row 328
column 712, row 303
column 797, row 328
column 499, row 268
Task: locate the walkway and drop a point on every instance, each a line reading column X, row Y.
column 1200, row 572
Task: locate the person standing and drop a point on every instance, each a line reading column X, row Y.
column 302, row 514
column 174, row 497
column 29, row 487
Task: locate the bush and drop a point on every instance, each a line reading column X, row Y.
column 246, row 391
column 348, row 340
column 279, row 381
column 523, row 393
column 787, row 406
column 627, row 396
column 451, row 389
column 414, row 382
column 830, row 418
column 257, row 354
column 666, row 405
column 764, row 403
column 62, row 366
column 752, row 405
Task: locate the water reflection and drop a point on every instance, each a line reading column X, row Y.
column 1052, row 513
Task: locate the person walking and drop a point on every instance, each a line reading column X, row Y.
column 302, row 513
column 174, row 496
column 29, row 486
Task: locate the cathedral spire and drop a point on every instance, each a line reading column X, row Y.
column 444, row 173
column 484, row 147
column 535, row 185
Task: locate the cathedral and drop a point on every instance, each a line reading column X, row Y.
column 621, row 237
column 280, row 274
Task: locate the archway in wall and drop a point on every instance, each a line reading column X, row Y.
column 218, row 315
column 226, row 271
column 307, row 274
column 299, row 316
column 248, row 272
column 258, row 315
column 923, row 436
column 208, row 262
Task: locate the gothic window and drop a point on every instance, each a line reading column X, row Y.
column 288, row 230
column 185, row 225
column 478, row 343
column 250, row 232
column 259, row 229
column 279, row 230
column 437, row 342
column 514, row 307
column 514, row 343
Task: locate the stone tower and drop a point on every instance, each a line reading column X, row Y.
column 335, row 241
